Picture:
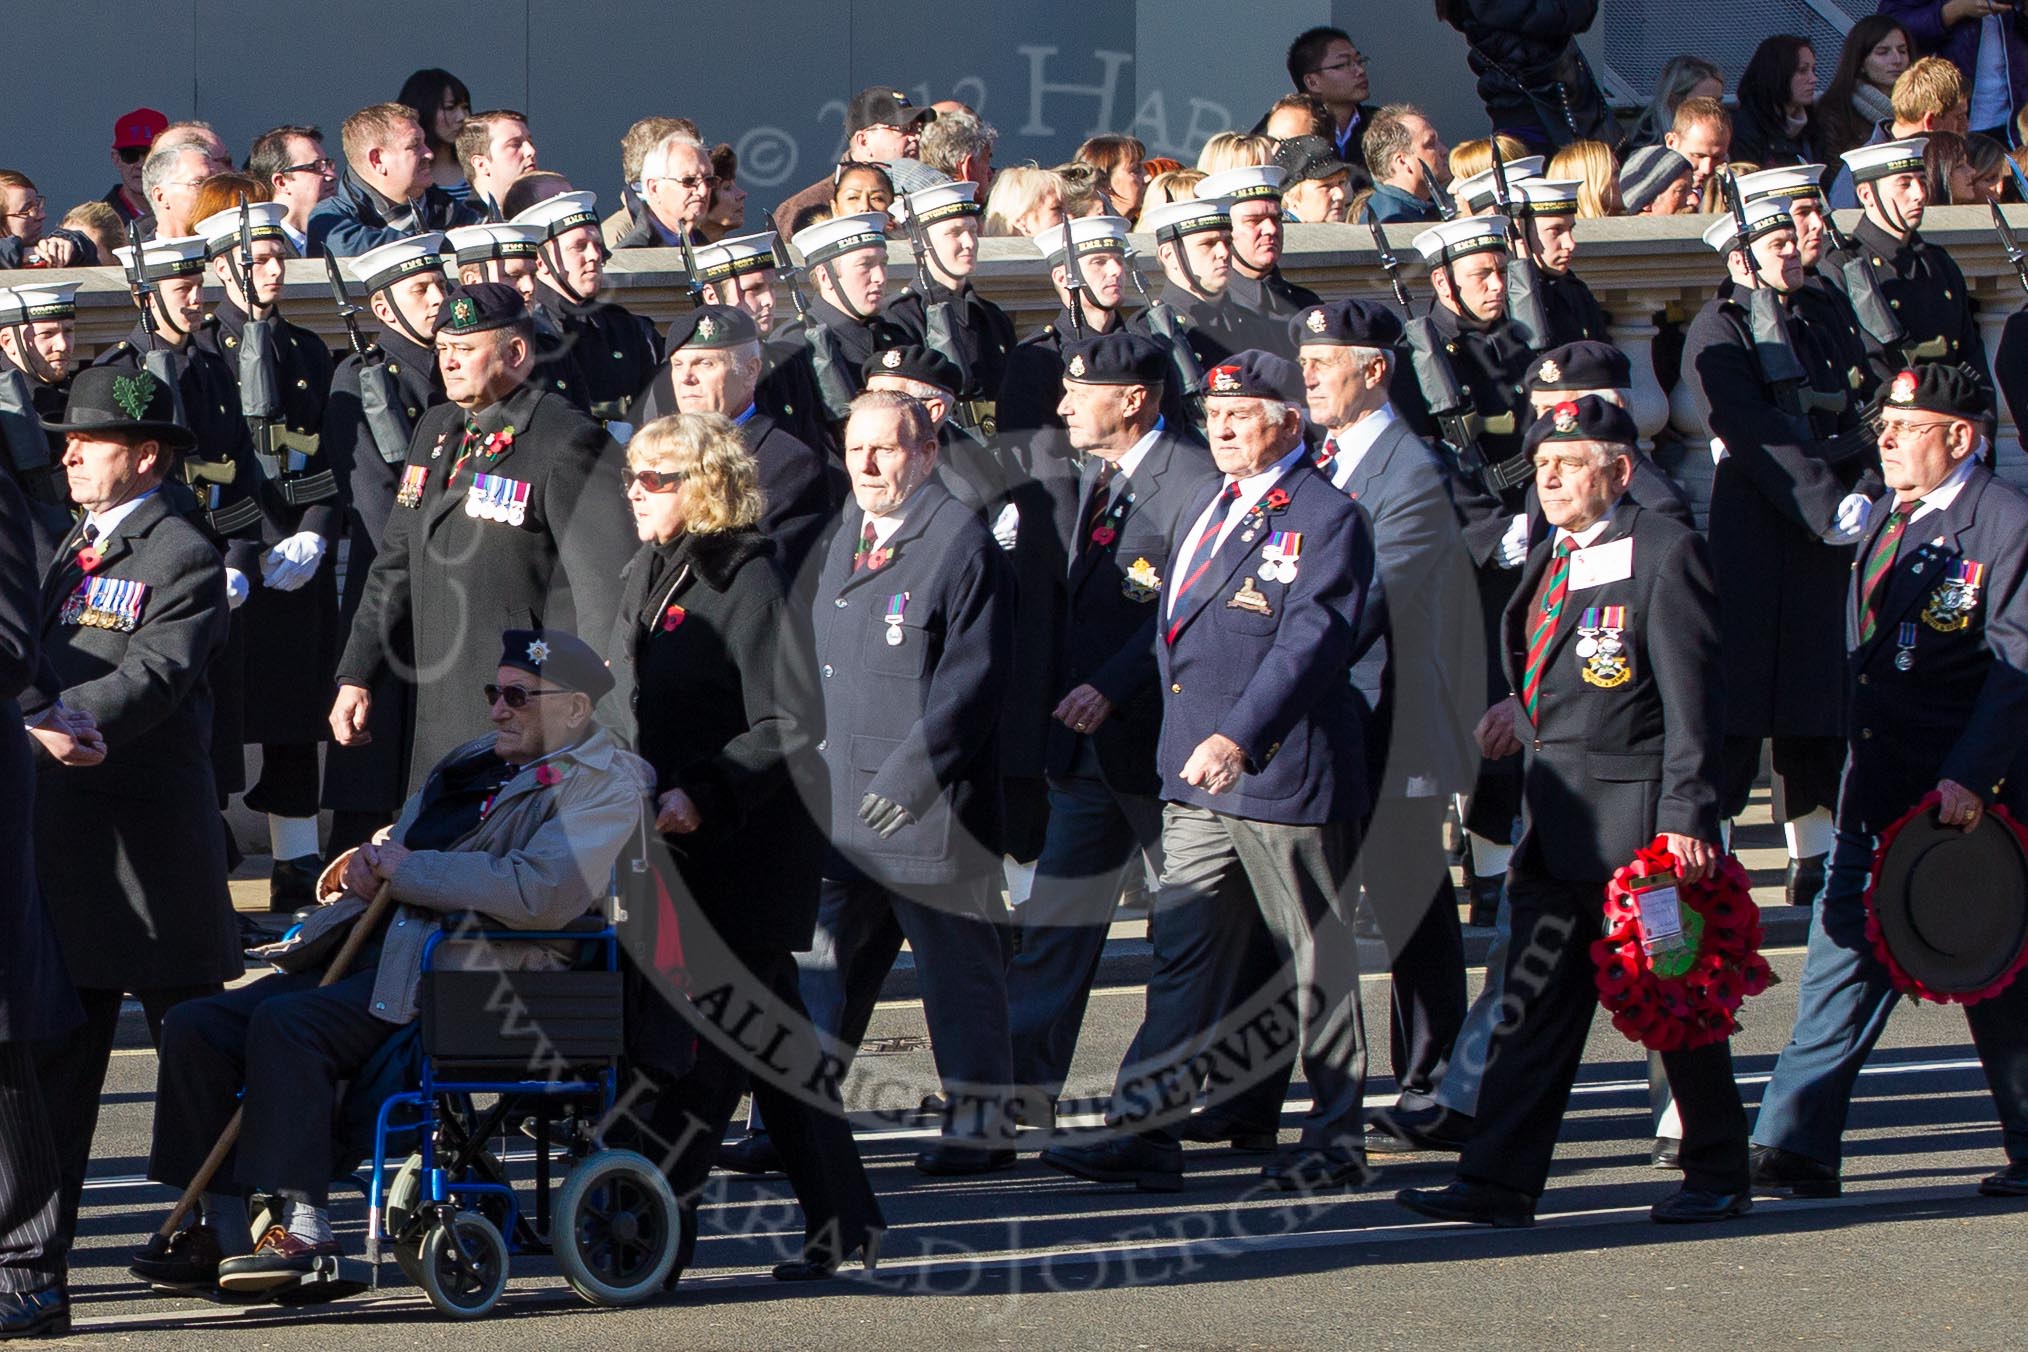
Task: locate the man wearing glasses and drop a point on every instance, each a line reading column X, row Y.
column 1324, row 64
column 292, row 162
column 677, row 182
column 25, row 242
column 132, row 135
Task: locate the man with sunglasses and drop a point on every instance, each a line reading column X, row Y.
column 292, row 162
column 132, row 135
column 516, row 829
column 676, row 182
column 596, row 354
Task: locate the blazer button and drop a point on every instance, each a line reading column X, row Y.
column 1864, row 679
column 841, row 602
column 1175, row 689
column 824, row 744
column 827, row 671
column 1866, row 734
column 1536, row 744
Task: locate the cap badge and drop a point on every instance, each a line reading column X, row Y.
column 891, row 358
column 1566, row 417
column 1904, row 388
column 1316, row 323
column 538, row 652
column 1549, row 373
column 1077, row 366
column 707, row 328
column 133, row 392
column 1225, row 380
column 464, row 312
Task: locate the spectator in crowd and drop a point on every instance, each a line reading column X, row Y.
column 1476, row 156
column 25, row 237
column 100, row 223
column 1702, row 134
column 1968, row 170
column 960, row 144
column 1177, row 185
column 387, row 191
column 1025, row 201
column 217, row 159
column 1118, row 158
column 1534, row 81
column 440, row 103
column 1985, row 40
column 133, row 133
column 1657, row 181
column 1928, row 97
column 1316, row 184
column 677, row 182
column 1294, row 115
column 727, row 213
column 1777, row 96
column 881, row 127
column 1234, row 150
column 290, row 162
column 861, row 188
column 1685, row 77
column 1403, row 153
column 1593, row 164
column 641, row 138
column 1323, row 62
column 170, row 178
column 1084, row 190
column 1860, row 96
column 494, row 148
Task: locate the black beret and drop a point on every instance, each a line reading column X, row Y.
column 1254, row 374
column 479, row 307
column 1583, row 365
column 1346, row 323
column 1935, row 387
column 1121, row 357
column 1588, row 418
column 916, row 362
column 558, row 656
column 712, row 326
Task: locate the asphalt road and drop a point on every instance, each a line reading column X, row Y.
column 1909, row 1257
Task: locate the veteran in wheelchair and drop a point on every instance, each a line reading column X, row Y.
column 518, row 831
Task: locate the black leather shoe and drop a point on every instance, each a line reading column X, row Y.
column 1150, row 1165
column 1485, row 894
column 30, row 1314
column 1693, row 1206
column 190, row 1262
column 1666, row 1153
column 1778, row 1170
column 950, row 1158
column 753, row 1153
column 1209, row 1128
column 2011, row 1181
column 292, row 883
column 1315, row 1169
column 1472, row 1203
column 817, row 1266
column 278, row 1260
column 1410, row 1129
column 1805, row 882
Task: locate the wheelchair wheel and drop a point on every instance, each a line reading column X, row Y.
column 463, row 1265
column 404, row 1195
column 617, row 1228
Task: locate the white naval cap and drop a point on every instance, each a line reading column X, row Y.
column 1173, row 220
column 1764, row 217
column 1476, row 193
column 221, row 229
column 941, row 203
column 37, row 303
column 388, row 264
column 1248, row 183
column 496, row 239
column 182, row 256
column 564, row 212
column 1546, row 196
column 737, row 256
column 826, row 240
column 1452, row 240
column 1868, row 163
column 1088, row 235
column 1790, row 180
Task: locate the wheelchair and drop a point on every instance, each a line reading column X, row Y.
column 544, row 1048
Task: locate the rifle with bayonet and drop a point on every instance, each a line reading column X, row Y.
column 1767, row 325
column 380, row 402
column 939, row 317
column 1074, row 275
column 164, row 363
column 2008, row 242
column 693, row 284
column 1165, row 324
column 1527, row 303
column 835, row 383
column 1861, row 285
column 260, row 398
column 39, row 471
column 1439, row 196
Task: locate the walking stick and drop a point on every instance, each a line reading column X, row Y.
column 362, row 929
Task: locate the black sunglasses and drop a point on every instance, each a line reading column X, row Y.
column 516, row 696
column 652, row 480
column 132, row 154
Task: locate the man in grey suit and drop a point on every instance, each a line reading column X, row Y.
column 1415, row 640
column 1105, row 813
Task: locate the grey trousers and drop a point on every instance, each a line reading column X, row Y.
column 1220, row 873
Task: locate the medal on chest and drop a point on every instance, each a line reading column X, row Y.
column 414, row 478
column 104, row 603
column 1904, row 643
column 495, row 497
column 1249, row 598
column 1950, row 606
column 897, row 612
column 1601, row 649
column 1281, row 555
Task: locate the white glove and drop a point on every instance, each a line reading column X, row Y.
column 1006, row 526
column 1513, row 551
column 1853, row 514
column 1718, row 451
column 236, row 589
column 293, row 562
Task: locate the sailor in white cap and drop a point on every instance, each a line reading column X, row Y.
column 600, row 355
column 1479, row 193
column 739, row 271
column 1802, row 185
column 1193, row 240
column 846, row 257
column 1924, row 288
column 496, row 252
column 1256, row 282
column 944, row 220
column 36, row 324
column 1089, row 275
column 1791, row 491
column 1547, row 209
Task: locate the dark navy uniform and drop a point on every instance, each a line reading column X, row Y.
column 1574, row 313
column 599, row 356
column 1272, row 296
column 983, row 330
column 1926, row 292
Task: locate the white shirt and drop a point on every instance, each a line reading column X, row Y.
column 1586, row 538
column 297, row 238
column 1352, row 443
column 1992, row 101
column 108, row 521
column 1131, row 461
column 1251, row 490
column 1944, row 494
column 884, row 528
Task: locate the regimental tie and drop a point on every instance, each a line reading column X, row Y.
column 865, row 547
column 1101, row 503
column 1555, row 591
column 1879, row 563
column 1327, row 452
column 1207, row 544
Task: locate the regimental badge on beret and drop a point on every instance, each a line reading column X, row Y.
column 1224, row 379
column 1549, row 373
column 1077, row 366
column 1316, row 323
column 891, row 358
column 707, row 328
column 1566, row 417
column 1903, row 390
column 464, row 312
column 538, row 652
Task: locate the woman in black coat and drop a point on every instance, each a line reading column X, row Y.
column 714, row 682
column 1534, row 81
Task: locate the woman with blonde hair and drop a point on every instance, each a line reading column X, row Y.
column 714, row 689
column 1593, row 164
column 1476, row 156
column 1235, row 150
column 1025, row 200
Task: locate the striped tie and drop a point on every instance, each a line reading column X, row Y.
column 1554, row 592
column 1878, row 564
column 1101, row 503
column 1327, row 452
column 866, row 540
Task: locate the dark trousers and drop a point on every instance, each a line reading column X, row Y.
column 72, row 1069
column 289, row 783
column 1841, row 1011
column 952, row 932
column 1806, row 773
column 1408, row 887
column 289, row 1044
column 688, row 1115
column 1532, row 1062
column 34, row 1241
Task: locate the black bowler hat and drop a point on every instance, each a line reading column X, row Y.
column 1346, row 323
column 1948, row 909
column 712, row 326
column 1940, row 387
column 916, row 362
column 1254, row 374
column 1121, row 357
column 479, row 307
column 1588, row 418
column 559, row 656
column 108, row 399
column 1586, row 365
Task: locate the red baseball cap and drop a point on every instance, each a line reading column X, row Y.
column 138, row 128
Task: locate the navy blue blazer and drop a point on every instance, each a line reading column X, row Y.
column 1274, row 676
